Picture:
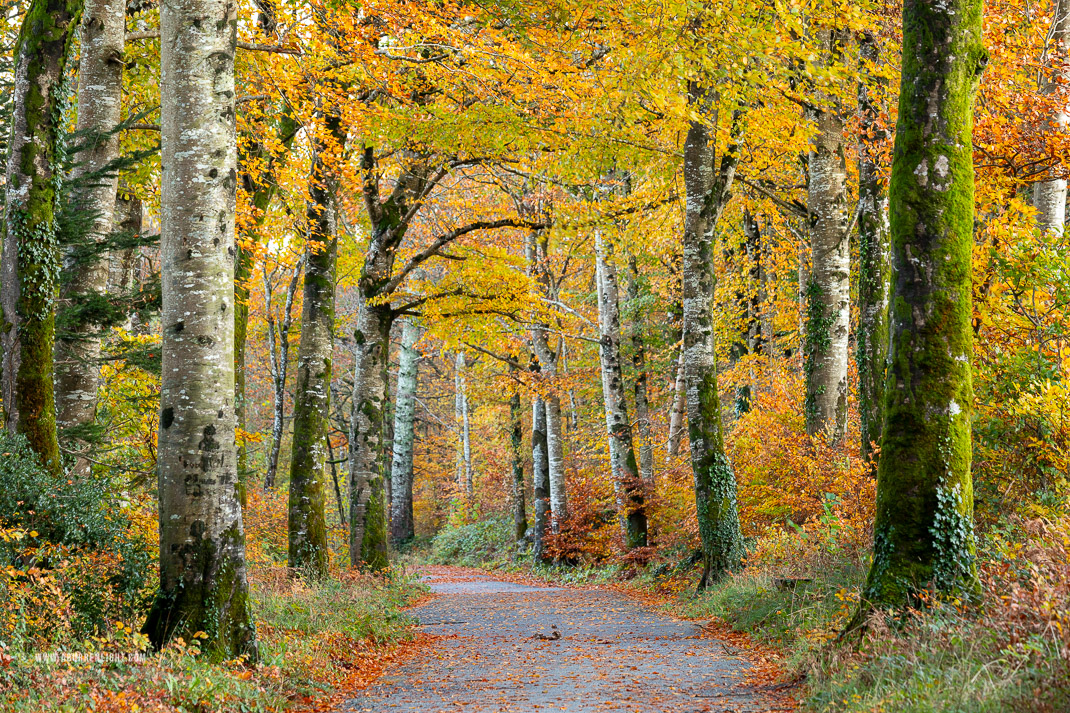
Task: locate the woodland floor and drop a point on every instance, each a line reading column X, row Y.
column 518, row 645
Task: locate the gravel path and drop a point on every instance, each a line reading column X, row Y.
column 502, row 646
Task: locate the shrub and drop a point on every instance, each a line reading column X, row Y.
column 474, row 544
column 73, row 557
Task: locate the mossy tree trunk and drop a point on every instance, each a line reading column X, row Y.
column 315, row 358
column 625, row 469
column 828, row 293
column 874, row 255
column 707, row 183
column 516, row 442
column 203, row 584
column 923, row 533
column 29, row 267
column 100, row 88
column 402, row 527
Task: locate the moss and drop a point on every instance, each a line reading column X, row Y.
column 715, row 488
column 211, row 597
column 924, row 489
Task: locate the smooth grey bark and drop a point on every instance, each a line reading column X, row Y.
column 540, row 475
column 29, row 266
column 203, row 585
column 1049, row 195
column 100, row 88
column 547, row 357
column 463, row 427
column 828, row 294
column 278, row 340
column 402, row 528
column 707, row 183
column 679, row 407
column 875, row 257
column 625, row 469
column 642, row 399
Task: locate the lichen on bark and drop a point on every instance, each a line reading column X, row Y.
column 923, row 537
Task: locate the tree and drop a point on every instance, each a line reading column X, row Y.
column 401, row 474
column 278, row 343
column 315, row 358
column 642, row 400
column 623, row 464
column 923, row 533
column 1049, row 195
column 828, row 294
column 464, row 428
column 874, row 253
column 540, row 477
column 707, row 183
column 203, row 584
column 516, row 443
column 29, row 266
column 100, row 89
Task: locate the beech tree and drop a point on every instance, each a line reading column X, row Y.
column 923, row 533
column 401, row 473
column 100, row 88
column 1049, row 195
column 828, row 294
column 29, row 266
column 708, row 178
column 203, row 583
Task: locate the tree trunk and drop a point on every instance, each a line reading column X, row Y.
column 516, row 441
column 540, row 475
column 828, row 294
column 707, row 190
column 402, row 528
column 367, row 496
column 1049, row 196
column 279, row 357
column 29, row 267
column 875, row 259
column 642, row 401
column 100, row 88
column 555, row 449
column 624, row 468
column 679, row 406
column 315, row 358
column 203, row 583
column 923, row 532
column 464, row 430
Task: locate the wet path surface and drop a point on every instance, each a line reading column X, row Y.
column 502, row 646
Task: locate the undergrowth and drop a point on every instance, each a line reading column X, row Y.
column 313, row 638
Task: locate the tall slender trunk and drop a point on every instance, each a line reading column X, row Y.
column 679, row 406
column 618, row 426
column 125, row 265
column 1049, row 195
column 828, row 294
column 516, row 442
column 279, row 366
column 547, row 357
column 573, row 420
column 642, row 400
column 203, row 584
column 875, row 257
column 707, row 188
column 29, row 266
column 100, row 88
column 315, row 359
column 923, row 532
column 540, row 476
column 367, row 496
column 464, row 429
column 402, row 528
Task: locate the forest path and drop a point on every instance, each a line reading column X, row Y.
column 509, row 646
